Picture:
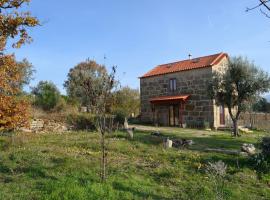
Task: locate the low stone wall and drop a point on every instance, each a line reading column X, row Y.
column 42, row 125
column 257, row 120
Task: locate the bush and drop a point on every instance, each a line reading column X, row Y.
column 82, row 121
column 119, row 117
column 47, row 96
column 262, row 160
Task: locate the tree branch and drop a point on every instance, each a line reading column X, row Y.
column 263, row 3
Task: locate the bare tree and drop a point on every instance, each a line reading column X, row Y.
column 104, row 119
column 263, row 5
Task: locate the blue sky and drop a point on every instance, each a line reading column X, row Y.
column 137, row 35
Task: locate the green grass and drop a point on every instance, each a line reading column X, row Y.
column 66, row 166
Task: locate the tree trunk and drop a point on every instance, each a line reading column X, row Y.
column 103, row 159
column 235, row 128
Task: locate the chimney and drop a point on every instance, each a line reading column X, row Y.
column 189, row 56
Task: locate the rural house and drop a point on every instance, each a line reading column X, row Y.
column 175, row 94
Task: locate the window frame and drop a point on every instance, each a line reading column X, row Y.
column 173, row 85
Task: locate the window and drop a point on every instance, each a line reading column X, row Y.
column 173, row 85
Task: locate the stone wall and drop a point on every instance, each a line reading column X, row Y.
column 198, row 108
column 44, row 125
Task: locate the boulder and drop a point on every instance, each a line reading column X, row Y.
column 168, row 143
column 126, row 124
column 178, row 143
column 248, row 148
column 130, row 134
column 244, row 130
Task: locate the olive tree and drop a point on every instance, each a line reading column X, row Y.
column 83, row 80
column 241, row 81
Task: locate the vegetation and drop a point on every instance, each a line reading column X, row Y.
column 82, row 121
column 13, row 24
column 47, row 96
column 127, row 102
column 240, row 83
column 66, row 166
column 14, row 109
column 84, row 82
column 262, row 105
column 27, row 71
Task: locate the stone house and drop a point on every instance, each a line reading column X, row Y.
column 175, row 94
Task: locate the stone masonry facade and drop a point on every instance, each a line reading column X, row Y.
column 199, row 108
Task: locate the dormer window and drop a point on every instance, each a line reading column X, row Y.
column 172, row 84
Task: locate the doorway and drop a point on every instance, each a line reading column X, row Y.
column 222, row 115
column 174, row 115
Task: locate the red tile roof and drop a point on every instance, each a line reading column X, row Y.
column 184, row 65
column 168, row 98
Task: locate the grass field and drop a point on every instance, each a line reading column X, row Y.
column 66, row 166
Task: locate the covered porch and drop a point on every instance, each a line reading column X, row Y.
column 168, row 110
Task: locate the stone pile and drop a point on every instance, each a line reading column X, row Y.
column 248, row 148
column 40, row 125
column 179, row 143
column 37, row 125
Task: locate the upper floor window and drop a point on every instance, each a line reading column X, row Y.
column 173, row 85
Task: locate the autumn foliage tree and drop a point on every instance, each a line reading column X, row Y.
column 13, row 24
column 13, row 107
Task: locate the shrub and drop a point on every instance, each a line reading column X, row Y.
column 119, row 117
column 262, row 160
column 82, row 121
column 47, row 95
column 61, row 105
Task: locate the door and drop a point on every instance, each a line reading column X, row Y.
column 173, row 115
column 222, row 115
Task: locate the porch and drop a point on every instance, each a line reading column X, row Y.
column 168, row 110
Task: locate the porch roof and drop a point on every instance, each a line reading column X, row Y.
column 165, row 99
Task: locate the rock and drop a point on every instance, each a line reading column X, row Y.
column 126, row 124
column 157, row 134
column 248, row 148
column 130, row 134
column 189, row 142
column 25, row 130
column 178, row 143
column 244, row 130
column 168, row 143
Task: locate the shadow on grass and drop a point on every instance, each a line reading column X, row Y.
column 202, row 143
column 135, row 192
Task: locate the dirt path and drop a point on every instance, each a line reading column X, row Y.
column 175, row 130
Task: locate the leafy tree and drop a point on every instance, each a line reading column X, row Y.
column 262, row 106
column 85, row 81
column 127, row 101
column 14, row 112
column 27, row 71
column 47, row 96
column 240, row 83
column 13, row 24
